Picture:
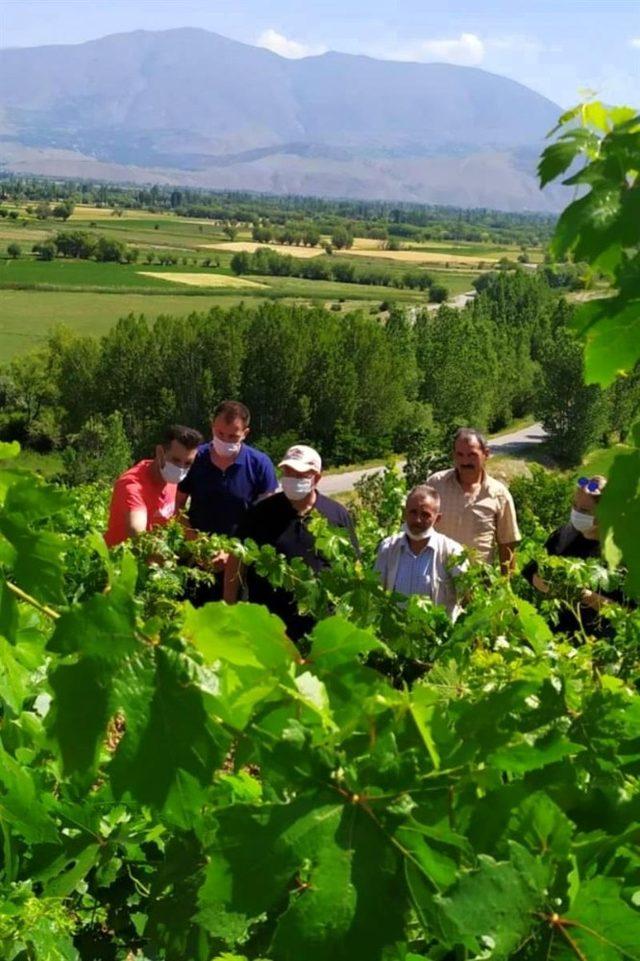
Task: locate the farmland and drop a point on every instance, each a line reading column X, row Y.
column 201, row 279
column 89, row 296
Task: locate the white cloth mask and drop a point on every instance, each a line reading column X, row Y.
column 581, row 522
column 223, row 449
column 173, row 474
column 295, row 488
column 417, row 536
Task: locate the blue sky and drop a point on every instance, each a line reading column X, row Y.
column 558, row 48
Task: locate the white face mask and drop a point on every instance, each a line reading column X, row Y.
column 581, row 522
column 173, row 474
column 417, row 536
column 223, row 449
column 295, row 488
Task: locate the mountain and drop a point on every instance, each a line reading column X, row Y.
column 194, row 108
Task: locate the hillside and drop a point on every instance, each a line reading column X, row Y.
column 188, row 106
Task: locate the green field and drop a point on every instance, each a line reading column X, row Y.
column 63, row 274
column 89, row 297
column 26, row 317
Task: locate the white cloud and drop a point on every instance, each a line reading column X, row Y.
column 635, row 42
column 466, row 50
column 278, row 43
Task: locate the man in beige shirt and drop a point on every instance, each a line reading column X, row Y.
column 476, row 510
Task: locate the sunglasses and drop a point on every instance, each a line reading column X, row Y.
column 591, row 486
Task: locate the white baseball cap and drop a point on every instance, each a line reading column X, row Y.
column 301, row 457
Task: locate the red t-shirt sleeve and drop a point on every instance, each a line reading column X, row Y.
column 130, row 496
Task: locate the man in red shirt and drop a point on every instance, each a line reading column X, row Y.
column 145, row 495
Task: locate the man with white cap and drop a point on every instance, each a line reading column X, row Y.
column 282, row 520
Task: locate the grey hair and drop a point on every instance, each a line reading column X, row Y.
column 425, row 492
column 470, row 433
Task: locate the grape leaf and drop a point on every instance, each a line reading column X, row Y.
column 170, row 749
column 38, row 562
column 619, row 513
column 14, row 677
column 600, row 924
column 321, row 868
column 518, row 758
column 20, row 805
column 492, row 907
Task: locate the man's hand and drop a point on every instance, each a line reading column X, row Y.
column 593, row 600
column 540, row 584
column 232, row 577
column 507, row 557
column 218, row 562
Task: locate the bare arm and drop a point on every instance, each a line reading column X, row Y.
column 136, row 521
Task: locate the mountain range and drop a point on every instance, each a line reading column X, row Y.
column 194, row 108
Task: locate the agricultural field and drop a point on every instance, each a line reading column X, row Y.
column 417, row 257
column 27, row 317
column 488, row 252
column 91, row 305
column 250, row 246
column 202, row 279
column 89, row 296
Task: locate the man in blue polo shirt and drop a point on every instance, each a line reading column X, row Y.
column 226, row 478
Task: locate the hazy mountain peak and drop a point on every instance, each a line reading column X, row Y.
column 193, row 107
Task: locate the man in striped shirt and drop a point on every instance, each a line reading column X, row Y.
column 419, row 560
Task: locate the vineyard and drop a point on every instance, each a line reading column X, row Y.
column 181, row 784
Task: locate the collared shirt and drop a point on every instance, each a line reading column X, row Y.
column 139, row 489
column 275, row 521
column 415, row 571
column 480, row 519
column 220, row 498
column 438, row 581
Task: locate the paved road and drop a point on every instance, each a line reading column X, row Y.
column 513, row 443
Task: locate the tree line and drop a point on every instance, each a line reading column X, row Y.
column 400, row 219
column 82, row 245
column 265, row 261
column 354, row 385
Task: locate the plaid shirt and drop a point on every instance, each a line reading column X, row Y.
column 479, row 520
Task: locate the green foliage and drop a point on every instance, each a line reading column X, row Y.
column 542, row 500
column 99, row 451
column 574, row 413
column 602, row 228
column 427, row 452
column 184, row 785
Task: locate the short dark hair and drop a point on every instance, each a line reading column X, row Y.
column 470, row 433
column 424, row 492
column 186, row 436
column 230, row 409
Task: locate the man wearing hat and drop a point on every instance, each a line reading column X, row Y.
column 282, row 520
